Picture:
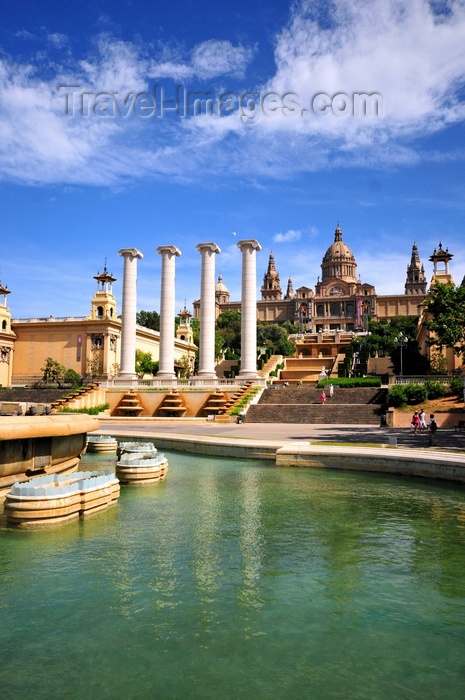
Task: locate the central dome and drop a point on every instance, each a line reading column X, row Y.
column 339, row 260
column 338, row 251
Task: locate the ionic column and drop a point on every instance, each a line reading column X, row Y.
column 207, row 311
column 128, row 311
column 167, row 311
column 249, row 309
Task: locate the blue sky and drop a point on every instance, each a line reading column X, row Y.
column 76, row 187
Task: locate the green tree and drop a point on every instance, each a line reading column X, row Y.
column 228, row 325
column 144, row 363
column 72, row 377
column 185, row 367
column 446, row 304
column 53, row 371
column 149, row 319
column 94, row 365
column 275, row 337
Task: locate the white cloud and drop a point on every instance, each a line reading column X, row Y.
column 207, row 60
column 407, row 52
column 287, row 237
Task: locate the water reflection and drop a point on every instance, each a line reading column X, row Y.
column 240, row 579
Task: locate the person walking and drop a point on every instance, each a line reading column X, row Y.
column 323, row 397
column 423, row 427
column 432, row 427
column 415, row 422
column 331, row 391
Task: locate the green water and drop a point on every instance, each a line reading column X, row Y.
column 236, row 579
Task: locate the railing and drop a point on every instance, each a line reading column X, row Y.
column 192, row 383
column 49, row 319
column 421, row 379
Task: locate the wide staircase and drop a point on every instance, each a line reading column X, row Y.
column 303, row 405
column 306, row 369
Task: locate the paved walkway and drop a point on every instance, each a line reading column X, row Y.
column 281, row 432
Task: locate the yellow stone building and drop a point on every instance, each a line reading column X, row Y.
column 73, row 341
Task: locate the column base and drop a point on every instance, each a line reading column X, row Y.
column 248, row 374
column 126, row 375
column 166, row 376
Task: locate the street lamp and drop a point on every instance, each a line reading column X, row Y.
column 401, row 340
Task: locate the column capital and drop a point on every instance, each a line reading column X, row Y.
column 249, row 243
column 208, row 247
column 170, row 249
column 130, row 253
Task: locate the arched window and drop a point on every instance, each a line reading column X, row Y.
column 100, row 311
column 3, row 325
column 350, row 309
column 335, row 309
column 320, row 310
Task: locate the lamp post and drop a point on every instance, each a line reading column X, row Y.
column 401, row 340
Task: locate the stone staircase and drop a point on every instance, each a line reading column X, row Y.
column 172, row 406
column 306, row 369
column 225, row 366
column 128, row 406
column 302, row 405
column 270, row 365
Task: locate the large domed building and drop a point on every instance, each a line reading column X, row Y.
column 339, row 301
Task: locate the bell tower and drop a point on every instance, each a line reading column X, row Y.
column 415, row 283
column 184, row 330
column 271, row 289
column 441, row 259
column 7, row 338
column 103, row 301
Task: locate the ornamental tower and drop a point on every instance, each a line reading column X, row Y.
column 415, row 284
column 103, row 301
column 441, row 259
column 271, row 289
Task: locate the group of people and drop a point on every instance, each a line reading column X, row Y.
column 419, row 424
column 323, row 394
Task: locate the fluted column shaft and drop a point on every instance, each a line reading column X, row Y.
column 249, row 308
column 128, row 311
column 167, row 311
column 207, row 310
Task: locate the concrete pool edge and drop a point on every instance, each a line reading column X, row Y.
column 406, row 461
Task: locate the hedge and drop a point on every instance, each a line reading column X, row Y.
column 350, row 382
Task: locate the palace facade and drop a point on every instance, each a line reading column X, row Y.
column 340, row 301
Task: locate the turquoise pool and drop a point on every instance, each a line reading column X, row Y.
column 235, row 579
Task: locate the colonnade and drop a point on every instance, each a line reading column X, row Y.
column 168, row 254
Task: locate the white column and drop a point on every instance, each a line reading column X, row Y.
column 128, row 311
column 207, row 311
column 167, row 311
column 249, row 309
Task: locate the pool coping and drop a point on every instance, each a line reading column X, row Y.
column 284, row 453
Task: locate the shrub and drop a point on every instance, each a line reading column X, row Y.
column 350, row 382
column 72, row 377
column 92, row 411
column 435, row 390
column 397, row 395
column 416, row 393
column 456, row 386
